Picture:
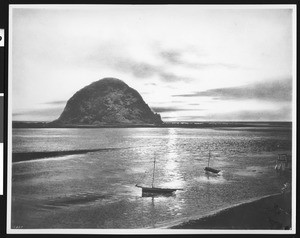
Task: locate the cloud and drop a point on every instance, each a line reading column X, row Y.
column 269, row 91
column 217, row 65
column 120, row 60
column 150, row 84
column 138, row 69
column 171, row 56
column 172, row 109
column 157, row 62
column 47, row 114
column 282, row 114
column 145, row 70
column 149, row 68
column 62, row 102
column 177, row 57
column 170, row 77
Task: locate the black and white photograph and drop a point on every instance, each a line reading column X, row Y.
column 151, row 119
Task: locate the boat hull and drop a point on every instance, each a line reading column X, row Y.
column 209, row 169
column 157, row 190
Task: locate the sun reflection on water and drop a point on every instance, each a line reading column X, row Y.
column 171, row 171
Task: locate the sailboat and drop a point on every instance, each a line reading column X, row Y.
column 157, row 190
column 209, row 169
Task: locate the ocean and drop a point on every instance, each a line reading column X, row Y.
column 93, row 184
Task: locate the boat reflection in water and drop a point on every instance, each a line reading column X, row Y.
column 156, row 190
column 153, row 195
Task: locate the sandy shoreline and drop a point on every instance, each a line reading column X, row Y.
column 266, row 213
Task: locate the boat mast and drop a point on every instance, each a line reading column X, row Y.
column 153, row 172
column 208, row 158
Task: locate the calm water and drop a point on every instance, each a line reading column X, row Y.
column 97, row 189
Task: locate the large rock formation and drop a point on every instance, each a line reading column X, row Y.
column 107, row 101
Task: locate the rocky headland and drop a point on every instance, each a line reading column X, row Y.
column 108, row 101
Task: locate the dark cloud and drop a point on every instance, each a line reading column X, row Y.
column 166, row 118
column 172, row 109
column 186, row 95
column 56, row 102
column 189, row 118
column 270, row 91
column 112, row 56
column 138, row 69
column 146, row 70
column 170, row 77
column 282, row 114
column 171, row 56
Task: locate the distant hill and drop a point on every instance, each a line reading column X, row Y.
column 107, row 101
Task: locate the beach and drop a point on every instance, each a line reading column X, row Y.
column 271, row 212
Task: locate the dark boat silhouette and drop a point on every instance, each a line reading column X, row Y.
column 156, row 190
column 210, row 169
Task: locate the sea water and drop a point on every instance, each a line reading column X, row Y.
column 97, row 189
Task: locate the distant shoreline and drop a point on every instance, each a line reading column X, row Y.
column 212, row 124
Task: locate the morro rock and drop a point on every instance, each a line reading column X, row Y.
column 107, row 101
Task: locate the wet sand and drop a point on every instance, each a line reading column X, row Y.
column 28, row 156
column 272, row 212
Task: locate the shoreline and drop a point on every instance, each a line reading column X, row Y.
column 261, row 213
column 281, row 125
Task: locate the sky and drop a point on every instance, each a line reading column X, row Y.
column 189, row 63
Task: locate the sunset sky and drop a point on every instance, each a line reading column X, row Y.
column 189, row 63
